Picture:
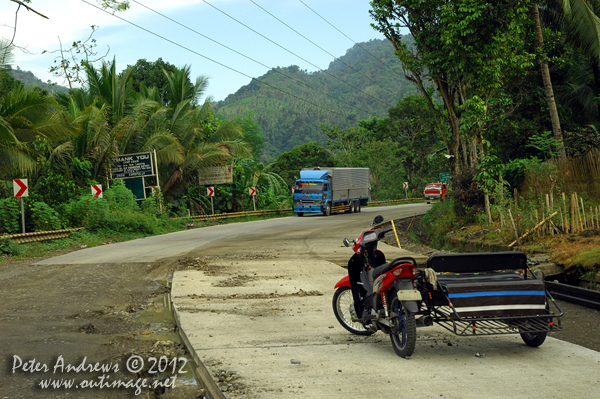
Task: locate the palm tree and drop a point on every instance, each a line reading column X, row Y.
column 580, row 20
column 539, row 39
column 33, row 133
column 110, row 88
column 204, row 140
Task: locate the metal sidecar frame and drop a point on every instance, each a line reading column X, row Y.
column 496, row 293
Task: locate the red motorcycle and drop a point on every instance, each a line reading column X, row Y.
column 377, row 295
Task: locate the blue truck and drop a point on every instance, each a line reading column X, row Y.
column 330, row 190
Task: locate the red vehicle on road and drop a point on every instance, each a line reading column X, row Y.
column 435, row 192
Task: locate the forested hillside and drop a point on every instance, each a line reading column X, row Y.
column 30, row 80
column 359, row 85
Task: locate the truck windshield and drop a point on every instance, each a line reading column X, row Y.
column 433, row 187
column 308, row 187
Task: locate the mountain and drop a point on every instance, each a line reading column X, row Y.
column 290, row 103
column 29, row 79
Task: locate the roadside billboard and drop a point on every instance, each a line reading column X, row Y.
column 133, row 165
column 215, row 175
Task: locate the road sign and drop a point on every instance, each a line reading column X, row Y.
column 210, row 191
column 20, row 188
column 405, row 185
column 252, row 191
column 445, row 177
column 215, row 175
column 97, row 190
column 133, row 165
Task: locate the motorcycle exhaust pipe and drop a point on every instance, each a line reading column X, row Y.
column 424, row 321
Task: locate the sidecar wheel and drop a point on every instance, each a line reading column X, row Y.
column 343, row 308
column 406, row 337
column 534, row 339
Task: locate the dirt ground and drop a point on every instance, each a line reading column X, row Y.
column 581, row 325
column 88, row 314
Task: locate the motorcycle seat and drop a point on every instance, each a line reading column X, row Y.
column 379, row 270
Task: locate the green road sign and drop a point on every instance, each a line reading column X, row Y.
column 445, row 177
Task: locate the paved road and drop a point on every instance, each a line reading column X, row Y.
column 258, row 295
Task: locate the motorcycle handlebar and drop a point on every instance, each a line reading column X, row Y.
column 384, row 232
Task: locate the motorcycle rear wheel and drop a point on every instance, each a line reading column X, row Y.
column 343, row 308
column 405, row 339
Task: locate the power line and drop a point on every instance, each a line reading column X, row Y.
column 216, row 62
column 358, row 44
column 321, row 48
column 247, row 57
column 291, row 52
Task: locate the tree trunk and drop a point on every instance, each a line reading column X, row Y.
column 539, row 40
column 488, row 212
column 596, row 69
column 454, row 124
column 473, row 148
column 465, row 156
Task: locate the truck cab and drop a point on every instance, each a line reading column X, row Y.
column 311, row 195
column 435, row 192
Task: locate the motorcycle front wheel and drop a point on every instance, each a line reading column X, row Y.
column 405, row 336
column 343, row 308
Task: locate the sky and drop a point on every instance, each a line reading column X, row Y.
column 71, row 20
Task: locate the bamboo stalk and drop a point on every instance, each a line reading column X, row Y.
column 536, row 220
column 514, row 228
column 577, row 214
column 554, row 227
column 516, row 210
column 584, row 219
column 530, row 231
column 543, row 229
column 551, row 201
column 572, row 210
column 566, row 225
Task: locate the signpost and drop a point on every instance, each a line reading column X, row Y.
column 21, row 189
column 252, row 191
column 445, row 177
column 134, row 168
column 210, row 192
column 97, row 190
column 405, row 187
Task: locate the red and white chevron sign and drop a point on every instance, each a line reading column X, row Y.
column 20, row 188
column 210, row 191
column 252, row 191
column 97, row 190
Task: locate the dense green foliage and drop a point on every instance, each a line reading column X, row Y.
column 339, row 95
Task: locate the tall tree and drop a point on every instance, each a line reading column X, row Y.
column 466, row 48
column 554, row 118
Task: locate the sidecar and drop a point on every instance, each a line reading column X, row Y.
column 487, row 294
